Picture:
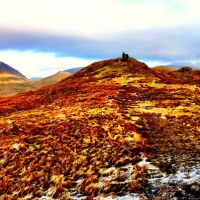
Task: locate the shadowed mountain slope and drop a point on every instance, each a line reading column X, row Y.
column 10, row 75
column 73, row 70
column 4, row 68
column 113, row 129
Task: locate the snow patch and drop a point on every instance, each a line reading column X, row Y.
column 46, row 198
column 126, row 197
column 185, row 177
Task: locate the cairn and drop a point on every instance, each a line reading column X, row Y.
column 125, row 56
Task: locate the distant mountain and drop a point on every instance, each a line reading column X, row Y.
column 35, row 78
column 10, row 75
column 14, row 88
column 73, row 70
column 51, row 79
column 4, row 68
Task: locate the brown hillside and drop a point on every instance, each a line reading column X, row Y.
column 11, row 88
column 163, row 69
column 114, row 129
column 59, row 76
column 10, row 75
column 183, row 75
column 7, row 78
column 4, row 68
column 116, row 67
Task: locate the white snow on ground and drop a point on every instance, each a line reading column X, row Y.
column 126, row 197
column 185, row 177
column 157, row 178
column 46, row 198
column 182, row 176
column 109, row 175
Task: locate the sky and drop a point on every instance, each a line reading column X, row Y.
column 42, row 37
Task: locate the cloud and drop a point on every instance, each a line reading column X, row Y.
column 91, row 17
column 39, row 63
column 147, row 29
column 42, row 37
column 194, row 64
column 39, row 41
column 42, row 54
column 166, row 44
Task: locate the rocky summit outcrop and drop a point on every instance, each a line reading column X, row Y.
column 115, row 129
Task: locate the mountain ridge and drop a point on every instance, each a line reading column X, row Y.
column 10, row 75
column 116, row 66
column 12, row 88
column 5, row 68
column 73, row 70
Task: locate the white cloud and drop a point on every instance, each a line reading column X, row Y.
column 40, row 64
column 101, row 19
column 153, row 63
column 96, row 17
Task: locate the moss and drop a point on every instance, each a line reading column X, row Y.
column 123, row 80
column 103, row 71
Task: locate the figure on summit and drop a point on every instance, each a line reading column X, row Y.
column 125, row 56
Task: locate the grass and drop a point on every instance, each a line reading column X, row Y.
column 124, row 80
column 103, row 71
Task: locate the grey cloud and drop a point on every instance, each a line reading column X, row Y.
column 43, row 42
column 167, row 44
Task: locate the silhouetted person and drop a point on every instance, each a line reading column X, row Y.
column 125, row 56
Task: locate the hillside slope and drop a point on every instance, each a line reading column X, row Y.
column 178, row 75
column 113, row 129
column 10, row 88
column 57, row 77
column 10, row 75
column 73, row 70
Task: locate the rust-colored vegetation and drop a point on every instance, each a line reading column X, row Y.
column 87, row 135
column 184, row 75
